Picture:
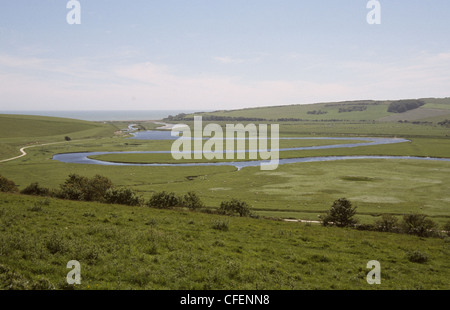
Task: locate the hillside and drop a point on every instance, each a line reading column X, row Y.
column 122, row 247
column 20, row 130
column 363, row 110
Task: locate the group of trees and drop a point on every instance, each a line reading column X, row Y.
column 185, row 117
column 341, row 214
column 316, row 112
column 445, row 123
column 357, row 108
column 401, row 106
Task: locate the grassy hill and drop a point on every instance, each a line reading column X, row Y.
column 362, row 110
column 122, row 247
column 19, row 130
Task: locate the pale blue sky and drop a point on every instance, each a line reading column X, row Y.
column 219, row 54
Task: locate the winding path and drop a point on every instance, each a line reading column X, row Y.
column 22, row 150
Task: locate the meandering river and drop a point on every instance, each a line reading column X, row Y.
column 83, row 157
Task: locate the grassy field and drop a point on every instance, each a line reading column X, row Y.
column 138, row 247
column 122, row 247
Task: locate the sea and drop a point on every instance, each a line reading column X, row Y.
column 102, row 115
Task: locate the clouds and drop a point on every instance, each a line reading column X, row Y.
column 88, row 83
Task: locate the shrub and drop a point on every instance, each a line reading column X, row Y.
column 341, row 214
column 36, row 190
column 220, row 225
column 234, row 206
column 164, row 200
column 418, row 224
column 192, row 201
column 387, row 223
column 7, row 186
column 417, row 257
column 78, row 187
column 55, row 244
column 447, row 228
column 37, row 206
column 124, row 196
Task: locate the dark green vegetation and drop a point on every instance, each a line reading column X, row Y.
column 404, row 105
column 192, row 245
column 341, row 214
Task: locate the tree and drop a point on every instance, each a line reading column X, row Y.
column 340, row 214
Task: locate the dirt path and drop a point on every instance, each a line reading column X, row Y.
column 22, row 150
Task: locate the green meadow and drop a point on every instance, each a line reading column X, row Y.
column 121, row 247
column 124, row 247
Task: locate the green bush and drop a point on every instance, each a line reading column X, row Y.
column 447, row 228
column 192, row 201
column 124, row 196
column 164, row 200
column 418, row 224
column 234, row 207
column 36, row 190
column 387, row 223
column 340, row 214
column 7, row 186
column 417, row 257
column 78, row 187
column 220, row 225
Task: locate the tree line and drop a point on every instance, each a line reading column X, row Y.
column 401, row 106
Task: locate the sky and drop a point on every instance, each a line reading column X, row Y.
column 219, row 54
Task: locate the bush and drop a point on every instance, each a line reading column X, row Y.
column 7, row 186
column 387, row 223
column 78, row 187
column 123, row 196
column 220, row 225
column 234, row 206
column 417, row 224
column 164, row 200
column 447, row 228
column 341, row 214
column 192, row 201
column 36, row 190
column 417, row 257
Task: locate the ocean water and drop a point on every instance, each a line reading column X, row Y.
column 129, row 115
